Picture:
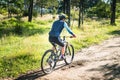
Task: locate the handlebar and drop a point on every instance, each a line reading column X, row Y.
column 67, row 37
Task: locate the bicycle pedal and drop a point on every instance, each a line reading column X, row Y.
column 61, row 59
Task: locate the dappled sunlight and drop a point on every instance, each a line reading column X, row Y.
column 110, row 71
column 24, row 37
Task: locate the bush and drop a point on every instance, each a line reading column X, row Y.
column 25, row 13
column 14, row 26
column 18, row 29
column 35, row 13
column 3, row 11
column 100, row 10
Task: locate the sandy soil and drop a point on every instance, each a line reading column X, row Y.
column 98, row 62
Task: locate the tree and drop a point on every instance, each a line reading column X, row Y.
column 12, row 7
column 102, row 9
column 30, row 11
column 46, row 4
column 113, row 10
column 84, row 6
column 81, row 11
column 68, row 10
column 65, row 7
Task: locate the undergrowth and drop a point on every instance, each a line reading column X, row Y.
column 22, row 44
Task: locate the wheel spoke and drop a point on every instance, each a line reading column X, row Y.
column 69, row 54
column 47, row 62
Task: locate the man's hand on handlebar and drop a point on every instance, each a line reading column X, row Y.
column 73, row 36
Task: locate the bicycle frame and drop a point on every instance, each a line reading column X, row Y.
column 56, row 45
column 52, row 56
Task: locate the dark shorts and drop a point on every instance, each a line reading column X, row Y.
column 56, row 40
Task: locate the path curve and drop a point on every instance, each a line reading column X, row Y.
column 98, row 62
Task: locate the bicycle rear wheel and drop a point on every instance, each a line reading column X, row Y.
column 48, row 61
column 69, row 54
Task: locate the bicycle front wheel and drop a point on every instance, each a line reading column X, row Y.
column 69, row 54
column 48, row 61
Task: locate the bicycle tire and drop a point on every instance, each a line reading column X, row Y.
column 48, row 60
column 69, row 54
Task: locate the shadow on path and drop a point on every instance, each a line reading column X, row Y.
column 36, row 74
column 111, row 72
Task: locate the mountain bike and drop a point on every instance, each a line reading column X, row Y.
column 51, row 57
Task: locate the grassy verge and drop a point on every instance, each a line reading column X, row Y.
column 94, row 32
column 21, row 51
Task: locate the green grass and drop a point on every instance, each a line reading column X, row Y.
column 21, row 52
column 94, row 33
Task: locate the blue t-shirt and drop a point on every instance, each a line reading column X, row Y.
column 57, row 28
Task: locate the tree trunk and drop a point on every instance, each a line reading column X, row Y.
column 30, row 11
column 68, row 11
column 81, row 12
column 41, row 11
column 79, row 21
column 113, row 10
column 64, row 6
column 8, row 7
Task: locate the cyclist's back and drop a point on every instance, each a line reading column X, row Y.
column 57, row 28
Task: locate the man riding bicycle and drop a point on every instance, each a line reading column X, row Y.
column 54, row 34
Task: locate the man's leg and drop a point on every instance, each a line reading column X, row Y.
column 63, row 50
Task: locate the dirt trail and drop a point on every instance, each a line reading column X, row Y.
column 98, row 62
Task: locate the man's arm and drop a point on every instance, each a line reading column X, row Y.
column 67, row 28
